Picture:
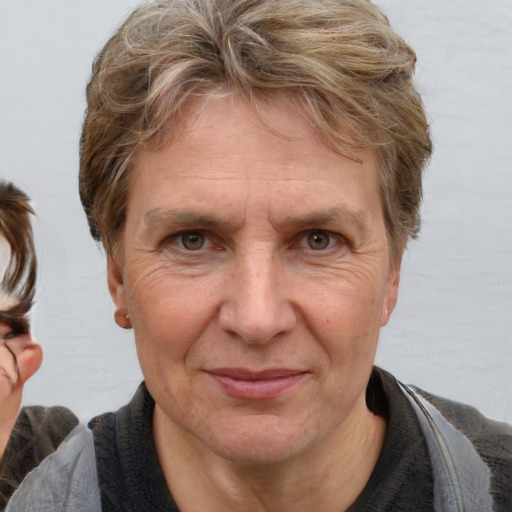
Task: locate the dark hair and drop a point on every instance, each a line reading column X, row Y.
column 19, row 278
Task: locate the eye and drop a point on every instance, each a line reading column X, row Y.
column 9, row 335
column 318, row 240
column 14, row 328
column 192, row 240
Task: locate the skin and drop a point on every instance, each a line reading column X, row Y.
column 20, row 357
column 243, row 249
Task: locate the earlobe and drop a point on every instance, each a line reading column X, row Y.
column 122, row 319
column 117, row 292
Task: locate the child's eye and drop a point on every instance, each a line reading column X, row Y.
column 14, row 327
column 9, row 335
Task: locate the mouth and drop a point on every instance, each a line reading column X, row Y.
column 256, row 385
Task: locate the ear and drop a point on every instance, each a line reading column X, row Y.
column 29, row 361
column 392, row 284
column 117, row 292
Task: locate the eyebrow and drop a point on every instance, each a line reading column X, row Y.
column 193, row 218
column 324, row 218
column 187, row 218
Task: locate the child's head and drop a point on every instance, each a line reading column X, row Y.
column 20, row 355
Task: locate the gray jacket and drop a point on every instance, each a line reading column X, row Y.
column 67, row 480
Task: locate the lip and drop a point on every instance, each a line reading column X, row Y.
column 256, row 385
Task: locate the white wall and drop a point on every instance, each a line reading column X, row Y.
column 451, row 331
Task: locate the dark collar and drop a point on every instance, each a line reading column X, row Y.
column 129, row 473
column 131, row 479
column 402, row 478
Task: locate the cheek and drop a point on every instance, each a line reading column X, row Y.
column 342, row 309
column 8, row 371
column 5, row 387
column 345, row 321
column 347, row 328
column 168, row 317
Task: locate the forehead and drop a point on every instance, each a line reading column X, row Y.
column 230, row 164
column 231, row 137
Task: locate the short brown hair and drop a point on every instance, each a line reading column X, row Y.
column 19, row 278
column 338, row 60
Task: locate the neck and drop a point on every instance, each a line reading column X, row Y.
column 9, row 411
column 328, row 477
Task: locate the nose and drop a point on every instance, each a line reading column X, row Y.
column 255, row 308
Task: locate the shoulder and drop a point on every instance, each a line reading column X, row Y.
column 492, row 440
column 51, row 423
column 41, row 414
column 37, row 433
column 483, row 432
column 462, row 440
column 489, row 437
column 65, row 481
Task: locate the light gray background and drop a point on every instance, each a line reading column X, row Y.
column 451, row 331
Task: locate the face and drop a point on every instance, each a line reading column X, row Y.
column 20, row 355
column 256, row 273
column 8, row 372
column 14, row 334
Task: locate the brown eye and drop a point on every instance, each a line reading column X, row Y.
column 318, row 240
column 192, row 241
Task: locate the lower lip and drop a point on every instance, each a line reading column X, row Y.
column 258, row 389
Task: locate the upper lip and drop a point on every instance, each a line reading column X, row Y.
column 245, row 374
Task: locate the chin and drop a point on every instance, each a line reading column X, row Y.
column 262, row 440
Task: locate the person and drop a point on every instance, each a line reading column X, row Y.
column 253, row 169
column 29, row 435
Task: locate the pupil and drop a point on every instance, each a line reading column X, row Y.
column 318, row 240
column 193, row 241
